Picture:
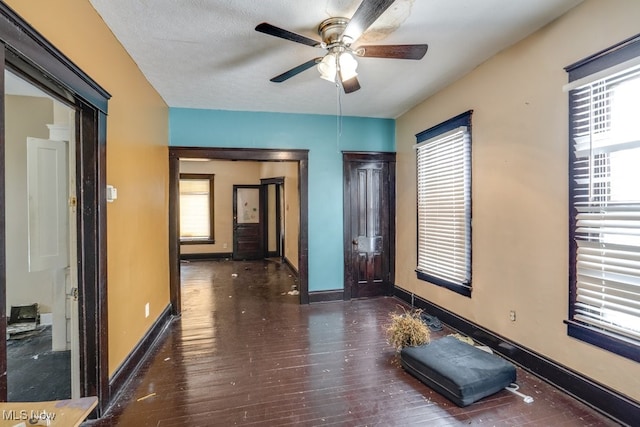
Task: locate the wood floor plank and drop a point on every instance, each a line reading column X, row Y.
column 245, row 352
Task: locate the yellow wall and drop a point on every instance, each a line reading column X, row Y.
column 137, row 153
column 519, row 189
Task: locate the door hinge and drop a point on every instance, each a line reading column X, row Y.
column 73, row 202
column 74, row 294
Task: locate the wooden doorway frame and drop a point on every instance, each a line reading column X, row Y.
column 277, row 182
column 30, row 55
column 238, row 154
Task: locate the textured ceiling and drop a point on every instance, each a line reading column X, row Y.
column 206, row 53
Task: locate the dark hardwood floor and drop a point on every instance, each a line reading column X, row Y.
column 244, row 352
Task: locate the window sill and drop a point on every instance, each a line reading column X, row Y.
column 455, row 287
column 198, row 242
column 619, row 345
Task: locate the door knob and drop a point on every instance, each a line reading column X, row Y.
column 354, row 241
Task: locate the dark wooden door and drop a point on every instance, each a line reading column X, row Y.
column 247, row 222
column 369, row 224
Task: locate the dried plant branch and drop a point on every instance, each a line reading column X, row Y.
column 407, row 329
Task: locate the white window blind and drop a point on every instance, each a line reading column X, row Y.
column 444, row 207
column 195, row 209
column 606, row 204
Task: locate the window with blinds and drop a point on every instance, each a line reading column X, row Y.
column 196, row 208
column 605, row 208
column 443, row 156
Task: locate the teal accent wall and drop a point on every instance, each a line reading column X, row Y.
column 324, row 136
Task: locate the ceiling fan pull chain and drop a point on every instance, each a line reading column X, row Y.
column 338, row 116
column 339, row 101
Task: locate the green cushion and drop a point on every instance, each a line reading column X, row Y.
column 459, row 371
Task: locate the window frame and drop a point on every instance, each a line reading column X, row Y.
column 462, row 120
column 606, row 62
column 200, row 177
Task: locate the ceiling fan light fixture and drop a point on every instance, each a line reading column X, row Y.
column 344, row 61
column 327, row 67
column 348, row 66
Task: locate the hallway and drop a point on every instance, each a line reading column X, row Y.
column 244, row 352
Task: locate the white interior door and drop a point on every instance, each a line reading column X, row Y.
column 48, row 241
column 47, row 169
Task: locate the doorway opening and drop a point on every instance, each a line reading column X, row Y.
column 40, row 244
column 297, row 158
column 275, row 208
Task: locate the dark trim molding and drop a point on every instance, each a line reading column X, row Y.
column 610, row 403
column 463, row 119
column 464, row 290
column 205, row 256
column 274, row 180
column 174, row 237
column 620, row 52
column 278, row 183
column 92, row 245
column 325, row 296
column 369, row 156
column 276, row 155
column 594, row 336
column 210, row 177
column 29, row 44
column 140, row 353
column 198, row 242
column 3, row 246
column 239, row 154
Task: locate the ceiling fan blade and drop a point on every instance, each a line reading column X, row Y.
column 272, row 30
column 351, row 85
column 296, row 70
column 396, row 51
column 364, row 16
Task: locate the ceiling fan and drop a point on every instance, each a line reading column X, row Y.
column 338, row 37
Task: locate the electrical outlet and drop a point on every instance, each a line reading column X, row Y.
column 146, row 310
column 224, row 246
column 512, row 315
